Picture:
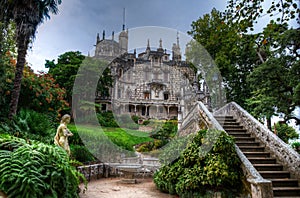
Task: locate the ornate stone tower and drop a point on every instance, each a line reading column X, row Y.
column 176, row 50
column 123, row 41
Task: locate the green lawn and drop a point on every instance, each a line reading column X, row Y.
column 125, row 138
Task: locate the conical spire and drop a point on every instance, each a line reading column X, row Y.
column 98, row 38
column 160, row 43
column 148, row 44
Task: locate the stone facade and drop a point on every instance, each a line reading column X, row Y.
column 150, row 84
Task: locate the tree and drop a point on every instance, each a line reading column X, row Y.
column 27, row 15
column 260, row 71
column 233, row 52
column 285, row 132
column 65, row 71
column 275, row 82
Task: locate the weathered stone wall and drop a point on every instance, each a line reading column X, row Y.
column 287, row 156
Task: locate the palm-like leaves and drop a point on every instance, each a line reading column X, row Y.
column 27, row 15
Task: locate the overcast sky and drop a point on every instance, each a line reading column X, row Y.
column 79, row 21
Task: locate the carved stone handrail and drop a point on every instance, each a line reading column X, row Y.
column 279, row 149
column 257, row 185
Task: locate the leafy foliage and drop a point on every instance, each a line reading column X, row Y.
column 166, row 132
column 27, row 15
column 199, row 172
column 81, row 154
column 36, row 170
column 65, row 71
column 275, row 83
column 296, row 146
column 233, row 53
column 107, row 119
column 285, row 132
column 31, row 125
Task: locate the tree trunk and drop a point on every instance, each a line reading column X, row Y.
column 269, row 125
column 21, row 59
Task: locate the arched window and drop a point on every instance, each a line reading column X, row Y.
column 120, row 72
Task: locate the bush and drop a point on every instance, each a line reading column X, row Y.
column 285, row 132
column 296, row 146
column 28, row 124
column 135, row 119
column 81, row 154
column 197, row 171
column 166, row 132
column 107, row 119
column 36, row 170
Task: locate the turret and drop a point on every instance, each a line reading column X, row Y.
column 123, row 41
column 176, row 50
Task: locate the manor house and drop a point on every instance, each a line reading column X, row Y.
column 150, row 84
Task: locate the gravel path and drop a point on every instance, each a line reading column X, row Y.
column 114, row 188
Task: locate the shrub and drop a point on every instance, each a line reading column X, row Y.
column 81, row 154
column 166, row 132
column 296, row 146
column 32, row 125
column 107, row 119
column 35, row 169
column 286, row 132
column 135, row 119
column 197, row 171
column 146, row 122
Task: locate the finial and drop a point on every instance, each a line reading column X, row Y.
column 177, row 39
column 103, row 35
column 98, row 38
column 160, row 43
column 123, row 19
column 148, row 44
column 113, row 35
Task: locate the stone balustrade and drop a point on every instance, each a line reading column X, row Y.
column 287, row 156
column 201, row 118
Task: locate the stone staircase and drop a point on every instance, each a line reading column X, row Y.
column 283, row 185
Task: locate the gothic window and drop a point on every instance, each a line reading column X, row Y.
column 166, row 96
column 120, row 72
column 103, row 107
column 147, row 95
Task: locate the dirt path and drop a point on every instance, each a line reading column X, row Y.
column 113, row 188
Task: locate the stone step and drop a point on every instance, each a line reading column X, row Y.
column 244, row 139
column 268, row 167
column 274, row 174
column 243, row 143
column 286, row 191
column 262, row 160
column 283, row 185
column 221, row 117
column 236, row 130
column 233, row 123
column 284, row 182
column 237, row 134
column 234, row 127
column 252, row 148
column 257, row 154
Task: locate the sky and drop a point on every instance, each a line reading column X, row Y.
column 78, row 22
